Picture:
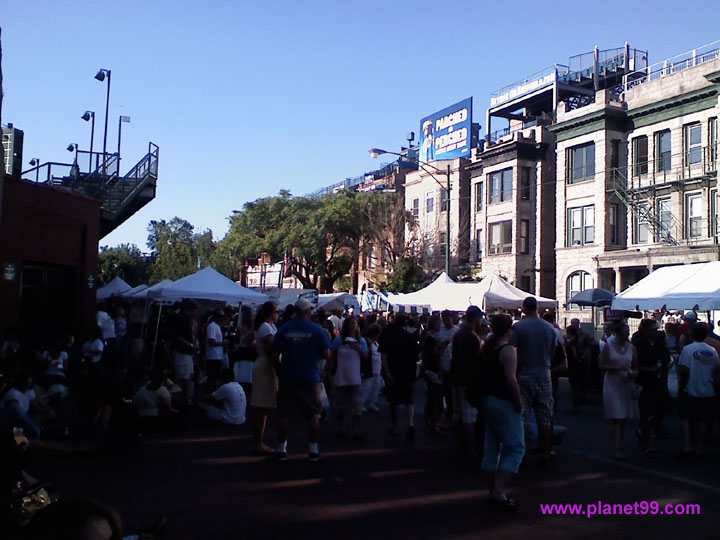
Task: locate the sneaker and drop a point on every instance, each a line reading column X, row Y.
column 280, row 456
column 313, row 456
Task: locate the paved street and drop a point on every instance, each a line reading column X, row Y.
column 208, row 487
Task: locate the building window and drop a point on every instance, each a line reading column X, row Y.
column 581, row 163
column 640, row 156
column 429, row 202
column 501, row 237
column 501, row 186
column 525, row 183
column 665, row 218
column 613, row 224
column 662, row 151
column 416, row 208
column 479, row 245
column 615, row 153
column 577, row 283
column 524, row 235
column 715, row 212
column 693, row 144
column 712, row 143
column 642, row 230
column 693, row 210
column 479, row 192
column 444, row 200
column 581, row 225
column 443, row 244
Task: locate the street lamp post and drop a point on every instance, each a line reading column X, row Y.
column 90, row 115
column 122, row 119
column 100, row 76
column 375, row 152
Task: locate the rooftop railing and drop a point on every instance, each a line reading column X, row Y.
column 672, row 65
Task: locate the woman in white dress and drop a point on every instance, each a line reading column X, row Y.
column 620, row 400
column 265, row 382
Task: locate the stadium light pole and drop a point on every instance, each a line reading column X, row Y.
column 90, row 115
column 101, row 75
column 376, row 152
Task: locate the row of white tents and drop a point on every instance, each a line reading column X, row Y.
column 690, row 286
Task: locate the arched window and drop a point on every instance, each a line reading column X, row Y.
column 578, row 282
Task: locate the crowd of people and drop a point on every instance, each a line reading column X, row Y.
column 491, row 381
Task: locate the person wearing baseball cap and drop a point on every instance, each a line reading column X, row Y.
column 297, row 349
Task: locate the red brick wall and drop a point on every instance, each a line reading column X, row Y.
column 47, row 226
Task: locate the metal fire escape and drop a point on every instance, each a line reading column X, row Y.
column 639, row 190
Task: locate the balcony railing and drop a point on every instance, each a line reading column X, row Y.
column 678, row 63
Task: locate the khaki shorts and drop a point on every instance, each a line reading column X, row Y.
column 301, row 395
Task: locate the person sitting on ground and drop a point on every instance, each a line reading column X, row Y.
column 16, row 405
column 231, row 401
column 153, row 401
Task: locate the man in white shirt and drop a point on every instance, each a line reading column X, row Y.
column 698, row 366
column 444, row 339
column 231, row 401
column 215, row 345
column 107, row 327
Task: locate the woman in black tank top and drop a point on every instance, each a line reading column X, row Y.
column 502, row 407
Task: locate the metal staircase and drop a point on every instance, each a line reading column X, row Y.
column 645, row 211
column 121, row 196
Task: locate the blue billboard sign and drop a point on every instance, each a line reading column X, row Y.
column 447, row 134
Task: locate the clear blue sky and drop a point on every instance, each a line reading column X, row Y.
column 247, row 98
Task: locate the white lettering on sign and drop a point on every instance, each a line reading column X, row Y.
column 451, row 119
column 450, row 141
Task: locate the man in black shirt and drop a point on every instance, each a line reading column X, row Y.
column 400, row 353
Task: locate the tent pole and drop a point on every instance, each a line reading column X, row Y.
column 157, row 332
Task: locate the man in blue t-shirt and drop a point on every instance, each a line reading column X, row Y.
column 535, row 341
column 298, row 349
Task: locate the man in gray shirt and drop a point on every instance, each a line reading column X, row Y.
column 535, row 341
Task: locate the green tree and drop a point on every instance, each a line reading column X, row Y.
column 407, row 276
column 319, row 234
column 125, row 261
column 177, row 251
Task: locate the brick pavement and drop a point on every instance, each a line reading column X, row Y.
column 206, row 484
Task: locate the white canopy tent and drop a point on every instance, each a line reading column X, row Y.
column 339, row 301
column 492, row 292
column 207, row 284
column 115, row 288
column 683, row 286
column 135, row 290
column 144, row 294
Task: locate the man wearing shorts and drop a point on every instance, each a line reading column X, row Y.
column 535, row 341
column 400, row 354
column 184, row 346
column 298, row 348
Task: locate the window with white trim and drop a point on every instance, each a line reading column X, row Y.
column 479, row 245
column 524, row 236
column 640, row 155
column 501, row 186
column 581, row 225
column 416, row 208
column 693, row 144
column 613, row 223
column 429, row 202
column 500, row 238
column 479, row 196
column 693, row 215
column 642, row 229
column 576, row 283
column 662, row 151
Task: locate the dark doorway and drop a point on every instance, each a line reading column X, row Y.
column 48, row 302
